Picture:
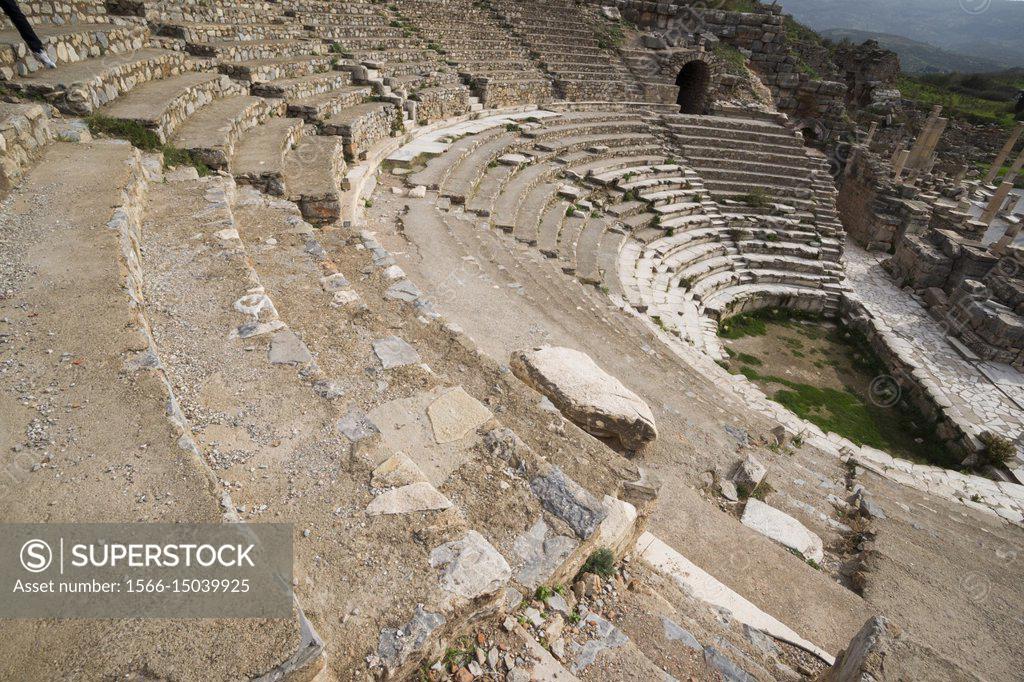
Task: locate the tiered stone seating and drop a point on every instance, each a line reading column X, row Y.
column 83, row 31
column 370, row 39
column 497, row 68
column 565, row 36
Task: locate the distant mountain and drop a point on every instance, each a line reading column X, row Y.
column 988, row 29
column 917, row 57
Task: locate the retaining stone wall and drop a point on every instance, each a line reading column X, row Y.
column 24, row 131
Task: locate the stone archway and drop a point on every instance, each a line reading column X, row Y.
column 694, row 81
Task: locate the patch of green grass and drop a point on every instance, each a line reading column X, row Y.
column 732, row 59
column 976, row 105
column 145, row 139
column 754, row 323
column 543, row 593
column 855, row 418
column 748, row 359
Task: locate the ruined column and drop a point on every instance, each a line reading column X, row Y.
column 997, row 200
column 1011, row 233
column 917, row 150
column 901, row 161
column 871, row 134
column 928, row 141
column 1017, row 164
column 1004, row 153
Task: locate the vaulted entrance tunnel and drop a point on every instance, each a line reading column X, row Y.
column 694, row 81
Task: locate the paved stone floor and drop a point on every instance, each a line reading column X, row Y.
column 982, row 394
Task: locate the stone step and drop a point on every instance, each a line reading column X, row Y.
column 84, row 204
column 276, row 68
column 528, row 217
column 163, row 105
column 211, row 133
column 253, row 50
column 471, row 166
column 201, row 32
column 507, row 205
column 361, row 126
column 259, row 156
column 79, row 88
column 313, row 170
column 550, row 227
column 320, row 108
column 67, row 44
column 588, row 249
column 302, row 87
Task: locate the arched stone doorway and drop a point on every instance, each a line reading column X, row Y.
column 694, row 80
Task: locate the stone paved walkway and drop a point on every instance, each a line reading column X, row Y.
column 983, row 394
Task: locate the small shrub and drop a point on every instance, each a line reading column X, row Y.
column 998, row 450
column 543, row 593
column 601, row 562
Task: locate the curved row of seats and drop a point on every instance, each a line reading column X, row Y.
column 604, row 194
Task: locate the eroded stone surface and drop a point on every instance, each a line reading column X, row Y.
column 470, row 567
column 455, row 415
column 567, row 500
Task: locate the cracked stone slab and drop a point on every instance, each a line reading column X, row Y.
column 404, row 290
column 567, row 500
column 606, row 636
column 395, row 352
column 782, row 528
column 470, row 567
column 542, row 553
column 286, row 348
column 455, row 415
column 415, row 497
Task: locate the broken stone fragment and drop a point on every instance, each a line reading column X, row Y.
column 586, row 394
column 396, row 471
column 567, row 500
column 749, row 473
column 395, row 352
column 356, row 426
column 416, row 497
column 286, row 348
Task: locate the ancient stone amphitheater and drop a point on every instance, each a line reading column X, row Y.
column 318, row 308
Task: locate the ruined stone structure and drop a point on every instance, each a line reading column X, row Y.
column 325, row 283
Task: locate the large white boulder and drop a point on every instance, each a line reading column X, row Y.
column 782, row 528
column 586, row 394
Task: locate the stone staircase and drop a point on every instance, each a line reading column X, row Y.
column 468, row 35
column 576, row 47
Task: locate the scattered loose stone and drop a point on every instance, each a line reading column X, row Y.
column 415, row 497
column 395, row 352
column 286, row 348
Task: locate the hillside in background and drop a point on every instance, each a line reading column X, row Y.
column 917, row 57
column 988, row 29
